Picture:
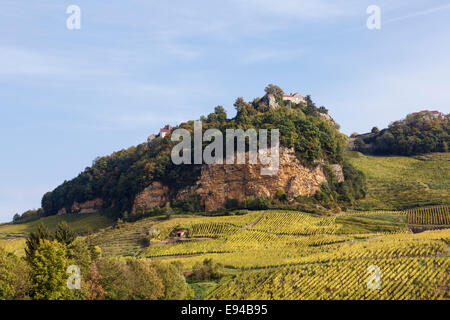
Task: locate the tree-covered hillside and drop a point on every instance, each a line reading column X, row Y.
column 420, row 132
column 119, row 177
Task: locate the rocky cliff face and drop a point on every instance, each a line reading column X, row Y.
column 90, row 206
column 155, row 195
column 219, row 182
column 338, row 172
column 87, row 207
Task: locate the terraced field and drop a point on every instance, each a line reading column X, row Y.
column 295, row 255
column 278, row 254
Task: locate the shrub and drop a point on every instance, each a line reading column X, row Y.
column 281, row 194
column 232, row 204
column 15, row 282
column 208, row 270
column 93, row 284
column 190, row 203
column 258, row 203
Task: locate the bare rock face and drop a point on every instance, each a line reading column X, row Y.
column 337, row 170
column 219, row 182
column 155, row 195
column 90, row 206
column 270, row 101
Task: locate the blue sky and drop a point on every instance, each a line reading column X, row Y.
column 68, row 96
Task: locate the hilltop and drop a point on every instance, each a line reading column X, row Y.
column 142, row 180
column 420, row 132
column 289, row 241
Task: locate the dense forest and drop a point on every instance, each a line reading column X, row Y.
column 119, row 177
column 420, row 132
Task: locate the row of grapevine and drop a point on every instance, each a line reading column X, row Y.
column 406, row 278
column 438, row 215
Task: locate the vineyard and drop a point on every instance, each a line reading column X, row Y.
column 281, row 254
column 411, row 267
column 439, row 215
column 403, row 278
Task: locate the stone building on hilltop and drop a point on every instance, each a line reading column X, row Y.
column 295, row 98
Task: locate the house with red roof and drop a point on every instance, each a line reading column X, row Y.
column 165, row 131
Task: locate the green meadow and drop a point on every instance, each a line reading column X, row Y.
column 396, row 183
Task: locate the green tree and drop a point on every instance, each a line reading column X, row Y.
column 64, row 234
column 144, row 279
column 80, row 253
column 175, row 285
column 208, row 270
column 48, row 271
column 221, row 114
column 275, row 90
column 114, row 279
column 16, row 218
column 311, row 108
column 168, row 210
column 240, row 104
column 35, row 238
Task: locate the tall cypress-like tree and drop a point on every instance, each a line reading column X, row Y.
column 63, row 234
column 35, row 239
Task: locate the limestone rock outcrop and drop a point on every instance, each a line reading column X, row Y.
column 90, row 206
column 337, row 170
column 155, row 195
column 219, row 182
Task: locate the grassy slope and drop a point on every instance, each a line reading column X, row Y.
column 12, row 236
column 79, row 223
column 404, row 182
